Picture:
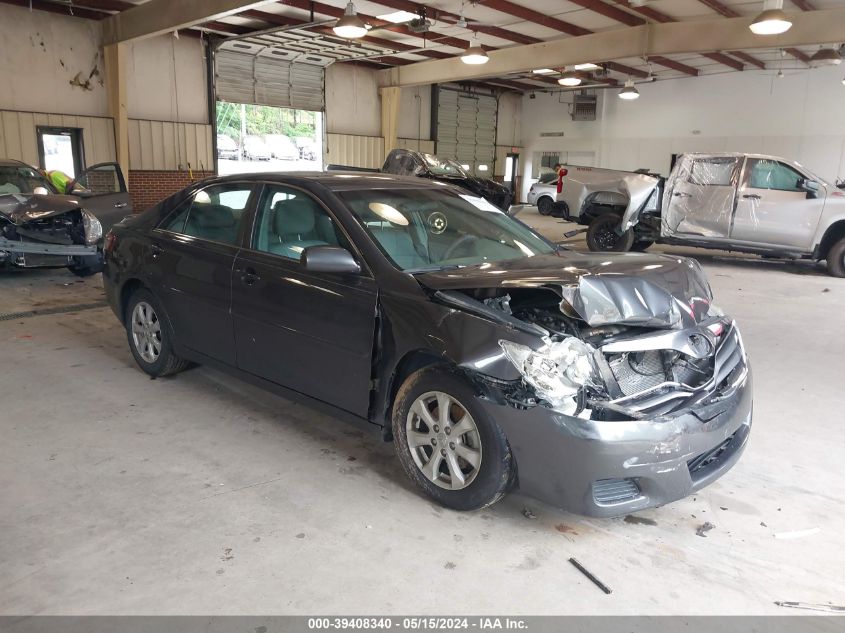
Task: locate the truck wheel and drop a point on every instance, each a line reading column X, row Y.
column 545, row 205
column 446, row 442
column 603, row 235
column 561, row 210
column 836, row 259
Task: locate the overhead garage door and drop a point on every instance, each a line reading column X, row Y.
column 267, row 80
column 466, row 129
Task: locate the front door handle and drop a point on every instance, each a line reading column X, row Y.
column 751, row 196
column 121, row 205
column 249, row 276
column 682, row 194
column 156, row 250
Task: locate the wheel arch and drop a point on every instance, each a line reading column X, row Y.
column 126, row 291
column 412, row 361
column 833, row 234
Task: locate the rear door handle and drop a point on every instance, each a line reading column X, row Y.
column 249, row 276
column 682, row 194
column 751, row 196
column 121, row 205
column 156, row 250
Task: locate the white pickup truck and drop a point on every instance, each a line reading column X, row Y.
column 748, row 203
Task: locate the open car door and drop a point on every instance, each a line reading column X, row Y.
column 701, row 197
column 102, row 189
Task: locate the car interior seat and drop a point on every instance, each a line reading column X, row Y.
column 214, row 222
column 294, row 228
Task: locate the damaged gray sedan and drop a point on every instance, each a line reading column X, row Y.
column 601, row 384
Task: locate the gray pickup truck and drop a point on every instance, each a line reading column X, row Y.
column 748, row 203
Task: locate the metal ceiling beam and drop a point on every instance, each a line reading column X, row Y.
column 671, row 38
column 673, row 65
column 749, row 59
column 440, row 14
column 804, row 5
column 626, row 70
column 164, row 16
column 506, row 6
column 609, row 11
column 42, row 5
column 801, row 57
column 725, row 60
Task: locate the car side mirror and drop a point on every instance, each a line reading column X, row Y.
column 810, row 186
column 329, row 259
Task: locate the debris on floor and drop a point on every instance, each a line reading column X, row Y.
column 797, row 533
column 630, row 518
column 829, row 608
column 704, row 528
column 598, row 583
column 528, row 514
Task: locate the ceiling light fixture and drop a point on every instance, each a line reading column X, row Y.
column 543, row 71
column 587, row 66
column 350, row 26
column 825, row 57
column 475, row 54
column 772, row 21
column 398, row 17
column 629, row 93
column 569, row 79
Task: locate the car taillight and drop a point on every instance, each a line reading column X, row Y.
column 110, row 242
column 563, row 172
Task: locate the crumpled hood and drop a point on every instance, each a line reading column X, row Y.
column 661, row 291
column 20, row 208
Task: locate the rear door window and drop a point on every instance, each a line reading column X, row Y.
column 214, row 213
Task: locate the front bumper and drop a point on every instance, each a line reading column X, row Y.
column 35, row 254
column 610, row 468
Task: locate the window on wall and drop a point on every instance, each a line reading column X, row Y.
column 60, row 149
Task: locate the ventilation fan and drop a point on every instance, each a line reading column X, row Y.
column 420, row 24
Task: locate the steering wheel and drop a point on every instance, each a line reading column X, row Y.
column 466, row 239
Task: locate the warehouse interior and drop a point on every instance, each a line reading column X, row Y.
column 201, row 494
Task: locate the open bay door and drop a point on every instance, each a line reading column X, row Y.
column 466, row 129
column 270, row 104
column 267, row 78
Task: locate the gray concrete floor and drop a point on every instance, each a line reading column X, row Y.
column 198, row 494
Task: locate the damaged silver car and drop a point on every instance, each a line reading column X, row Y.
column 42, row 227
column 599, row 383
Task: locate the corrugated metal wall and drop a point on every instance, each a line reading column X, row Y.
column 366, row 151
column 18, row 139
column 167, row 146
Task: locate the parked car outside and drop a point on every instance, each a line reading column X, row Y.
column 256, row 149
column 41, row 226
column 602, row 384
column 281, row 146
column 307, row 147
column 750, row 203
column 226, row 147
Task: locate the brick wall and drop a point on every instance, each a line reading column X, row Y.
column 149, row 187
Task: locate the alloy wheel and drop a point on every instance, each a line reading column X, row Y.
column 443, row 440
column 146, row 332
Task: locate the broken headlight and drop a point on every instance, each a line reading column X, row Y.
column 92, row 226
column 557, row 371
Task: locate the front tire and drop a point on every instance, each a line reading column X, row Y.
column 150, row 338
column 603, row 235
column 447, row 444
column 836, row 259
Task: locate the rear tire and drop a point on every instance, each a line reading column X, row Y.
column 150, row 338
column 836, row 259
column 603, row 235
column 460, row 438
column 545, row 205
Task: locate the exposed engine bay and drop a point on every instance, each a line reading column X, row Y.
column 615, row 371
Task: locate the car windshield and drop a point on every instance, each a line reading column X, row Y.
column 431, row 229
column 21, row 179
column 443, row 166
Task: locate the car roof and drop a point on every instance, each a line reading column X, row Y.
column 343, row 180
column 11, row 162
